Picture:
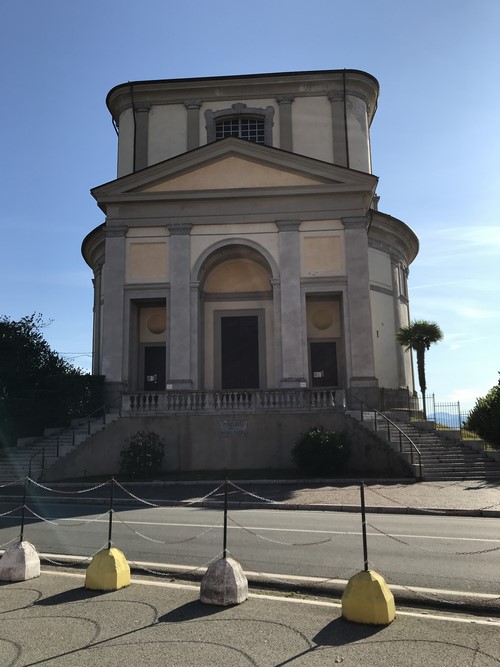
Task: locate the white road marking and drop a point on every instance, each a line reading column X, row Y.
column 304, row 601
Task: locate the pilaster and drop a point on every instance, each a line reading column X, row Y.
column 179, row 312
column 141, row 121
column 339, row 126
column 293, row 371
column 286, row 132
column 113, row 353
column 363, row 378
column 193, row 123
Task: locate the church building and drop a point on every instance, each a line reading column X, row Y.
column 242, row 246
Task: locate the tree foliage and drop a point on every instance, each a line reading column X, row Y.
column 320, row 452
column 142, row 456
column 419, row 335
column 38, row 388
column 484, row 418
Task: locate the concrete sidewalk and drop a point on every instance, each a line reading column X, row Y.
column 54, row 621
column 467, row 498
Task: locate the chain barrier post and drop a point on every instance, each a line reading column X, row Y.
column 363, row 523
column 111, row 498
column 224, row 547
column 21, row 537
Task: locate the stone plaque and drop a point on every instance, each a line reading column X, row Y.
column 233, row 428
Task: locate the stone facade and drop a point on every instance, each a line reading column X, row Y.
column 226, row 263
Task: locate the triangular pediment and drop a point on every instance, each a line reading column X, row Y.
column 231, row 172
column 230, row 165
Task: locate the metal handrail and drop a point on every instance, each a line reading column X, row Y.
column 401, row 433
column 80, row 422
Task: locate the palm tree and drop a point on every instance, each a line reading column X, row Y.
column 419, row 336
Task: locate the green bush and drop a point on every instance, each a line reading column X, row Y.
column 143, row 455
column 321, row 453
column 484, row 418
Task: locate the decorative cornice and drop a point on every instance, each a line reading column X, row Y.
column 382, row 290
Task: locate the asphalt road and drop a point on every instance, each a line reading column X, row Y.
column 431, row 551
column 53, row 620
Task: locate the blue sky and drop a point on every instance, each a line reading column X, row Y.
column 435, row 141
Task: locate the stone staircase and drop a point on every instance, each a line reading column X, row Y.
column 34, row 455
column 443, row 458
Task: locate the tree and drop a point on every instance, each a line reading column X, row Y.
column 484, row 418
column 38, row 388
column 419, row 335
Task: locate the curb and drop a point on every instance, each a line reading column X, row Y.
column 309, row 507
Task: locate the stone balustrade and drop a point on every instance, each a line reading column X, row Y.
column 229, row 401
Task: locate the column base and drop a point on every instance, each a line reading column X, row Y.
column 293, row 383
column 179, row 385
column 365, row 389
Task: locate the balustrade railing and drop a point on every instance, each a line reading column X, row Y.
column 245, row 400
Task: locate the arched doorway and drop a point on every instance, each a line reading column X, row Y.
column 237, row 319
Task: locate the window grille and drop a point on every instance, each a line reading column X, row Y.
column 251, row 129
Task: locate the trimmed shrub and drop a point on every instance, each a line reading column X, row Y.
column 321, row 453
column 143, row 455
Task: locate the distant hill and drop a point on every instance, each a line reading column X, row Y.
column 447, row 419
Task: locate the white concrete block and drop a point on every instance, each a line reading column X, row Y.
column 20, row 562
column 224, row 583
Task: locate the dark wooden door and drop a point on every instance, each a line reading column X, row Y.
column 324, row 372
column 240, row 352
column 154, row 367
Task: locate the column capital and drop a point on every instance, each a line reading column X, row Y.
column 192, row 104
column 285, row 99
column 336, row 96
column 142, row 108
column 179, row 228
column 355, row 222
column 288, row 225
column 111, row 232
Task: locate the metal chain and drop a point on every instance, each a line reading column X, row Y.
column 47, row 488
column 254, row 495
column 427, row 549
column 14, row 539
column 13, row 483
column 180, row 503
column 269, row 539
column 151, row 539
column 11, row 511
column 75, row 562
column 73, row 525
column 280, row 580
column 168, row 575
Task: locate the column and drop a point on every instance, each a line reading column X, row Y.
column 112, row 349
column 339, row 126
column 141, row 121
column 96, row 330
column 286, row 134
column 193, row 123
column 179, row 310
column 363, row 382
column 400, row 354
column 292, row 350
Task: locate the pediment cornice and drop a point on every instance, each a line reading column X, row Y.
column 280, row 171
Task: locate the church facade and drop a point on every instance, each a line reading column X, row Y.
column 242, row 246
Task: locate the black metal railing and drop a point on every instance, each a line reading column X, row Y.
column 356, row 404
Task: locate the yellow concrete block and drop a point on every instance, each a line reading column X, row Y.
column 367, row 599
column 108, row 571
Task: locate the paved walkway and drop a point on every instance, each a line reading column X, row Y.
column 53, row 621
column 472, row 497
